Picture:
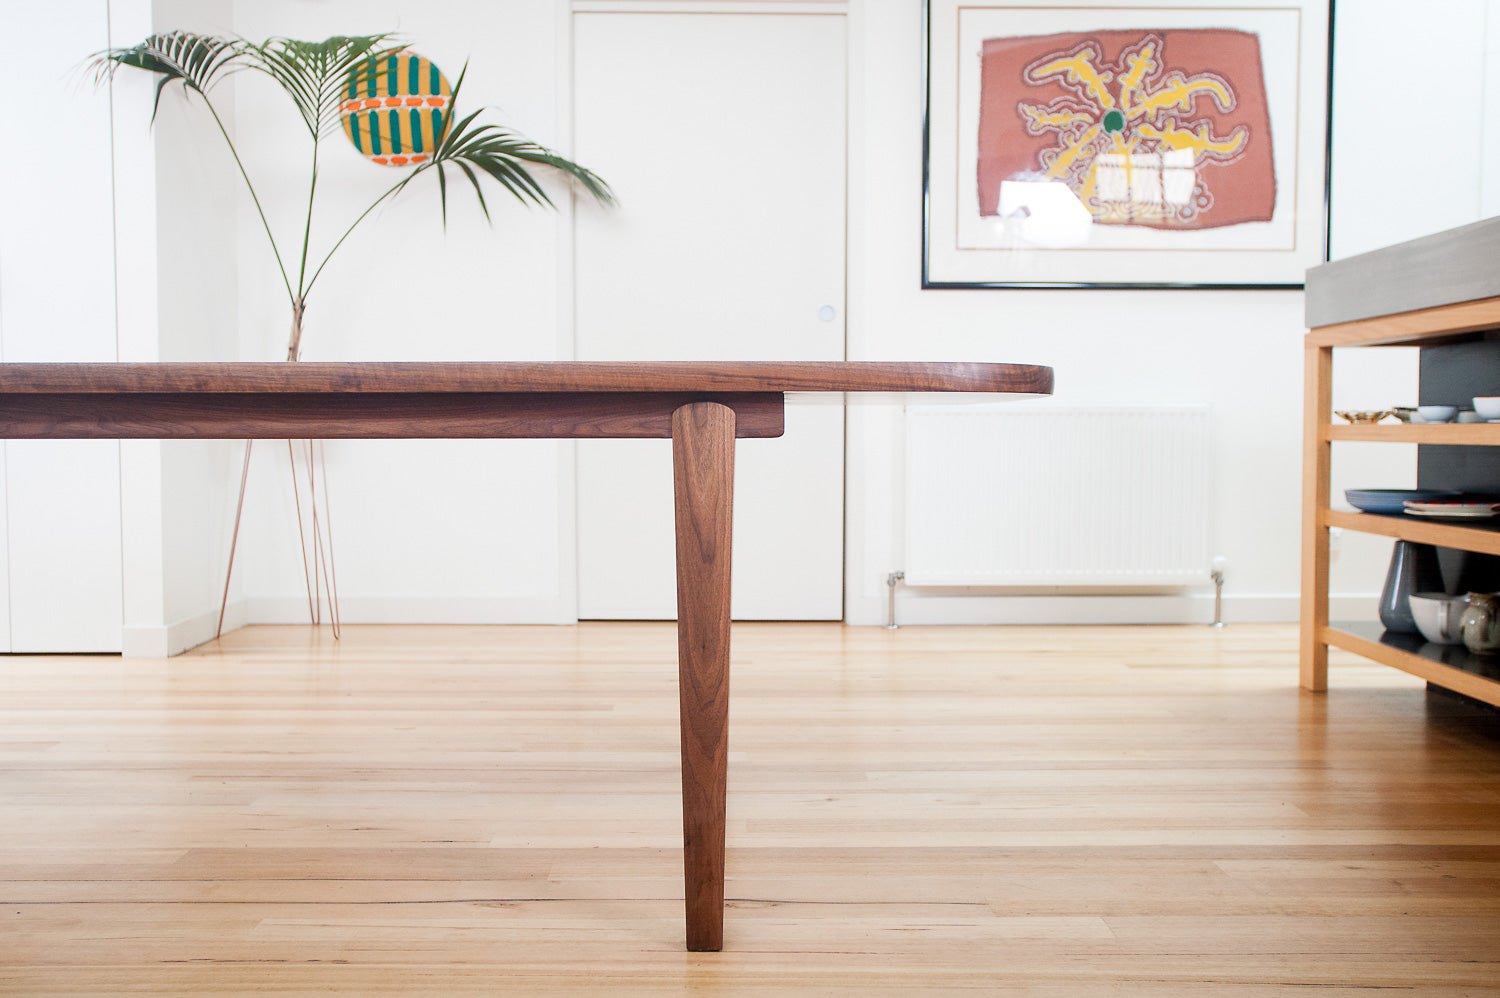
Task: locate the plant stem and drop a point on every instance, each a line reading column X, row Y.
column 312, row 189
column 294, row 342
column 355, row 224
column 251, row 187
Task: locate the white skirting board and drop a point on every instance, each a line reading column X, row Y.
column 457, row 609
column 173, row 639
column 164, row 641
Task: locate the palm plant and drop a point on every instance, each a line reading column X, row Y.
column 315, row 76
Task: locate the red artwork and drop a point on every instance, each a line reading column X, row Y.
column 1164, row 128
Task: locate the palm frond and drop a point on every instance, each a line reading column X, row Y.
column 315, row 75
column 506, row 157
column 196, row 61
column 478, row 191
column 503, row 155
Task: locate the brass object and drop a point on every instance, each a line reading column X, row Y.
column 1362, row 416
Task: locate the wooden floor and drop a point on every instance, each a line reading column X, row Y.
column 1000, row 810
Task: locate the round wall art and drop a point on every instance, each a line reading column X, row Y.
column 396, row 110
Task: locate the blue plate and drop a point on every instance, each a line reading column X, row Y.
column 1390, row 500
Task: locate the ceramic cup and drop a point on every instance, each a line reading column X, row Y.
column 1437, row 413
column 1439, row 616
column 1481, row 623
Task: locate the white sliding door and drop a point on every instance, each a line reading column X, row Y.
column 62, row 500
column 723, row 133
column 4, row 560
column 63, row 509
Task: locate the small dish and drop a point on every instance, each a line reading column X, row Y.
column 1454, row 510
column 1393, row 500
column 1405, row 413
column 1437, row 413
column 1362, row 416
column 1470, row 416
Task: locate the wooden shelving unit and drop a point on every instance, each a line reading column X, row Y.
column 1450, row 667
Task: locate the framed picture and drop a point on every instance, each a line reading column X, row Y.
column 1102, row 145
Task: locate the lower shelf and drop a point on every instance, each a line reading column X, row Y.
column 1449, row 666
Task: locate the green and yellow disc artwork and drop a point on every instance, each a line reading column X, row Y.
column 396, row 112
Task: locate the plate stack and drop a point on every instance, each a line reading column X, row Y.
column 1395, row 500
column 1452, row 509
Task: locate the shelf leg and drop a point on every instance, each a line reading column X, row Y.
column 1317, row 464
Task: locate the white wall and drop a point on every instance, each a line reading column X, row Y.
column 1240, row 352
column 1489, row 204
column 176, row 286
column 483, row 530
column 1387, row 189
column 1140, row 346
column 477, row 531
column 61, row 574
column 1416, row 122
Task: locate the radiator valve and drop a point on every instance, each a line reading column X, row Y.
column 890, row 581
column 1220, row 564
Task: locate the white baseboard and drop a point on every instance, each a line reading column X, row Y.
column 176, row 638
column 912, row 607
column 417, row 610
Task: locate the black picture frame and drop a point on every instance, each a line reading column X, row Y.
column 958, row 252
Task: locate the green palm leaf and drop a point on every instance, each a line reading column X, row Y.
column 504, row 156
column 196, row 61
column 315, row 75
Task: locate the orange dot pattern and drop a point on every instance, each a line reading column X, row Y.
column 396, row 110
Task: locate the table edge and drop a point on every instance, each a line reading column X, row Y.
column 524, row 377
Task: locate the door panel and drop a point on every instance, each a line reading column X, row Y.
column 724, row 138
column 57, row 303
column 63, row 506
column 4, row 560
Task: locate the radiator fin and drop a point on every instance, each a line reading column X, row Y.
column 1019, row 495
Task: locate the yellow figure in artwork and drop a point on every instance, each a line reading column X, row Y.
column 1072, row 149
column 1079, row 68
column 1172, row 137
column 1139, row 63
column 1038, row 120
column 1178, row 91
column 1131, row 153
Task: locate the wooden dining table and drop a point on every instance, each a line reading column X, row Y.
column 701, row 406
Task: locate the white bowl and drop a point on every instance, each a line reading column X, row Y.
column 1487, row 406
column 1437, row 413
column 1438, row 615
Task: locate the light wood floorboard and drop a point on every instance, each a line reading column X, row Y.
column 989, row 810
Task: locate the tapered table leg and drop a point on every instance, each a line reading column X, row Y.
column 703, row 474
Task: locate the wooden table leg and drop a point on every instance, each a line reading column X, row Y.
column 1317, row 464
column 703, row 474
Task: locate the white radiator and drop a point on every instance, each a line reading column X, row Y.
column 1029, row 495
